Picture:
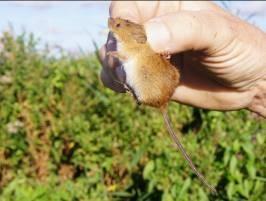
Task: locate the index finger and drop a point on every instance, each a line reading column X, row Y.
column 142, row 11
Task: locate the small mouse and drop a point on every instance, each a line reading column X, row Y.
column 150, row 77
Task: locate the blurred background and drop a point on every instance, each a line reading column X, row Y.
column 63, row 136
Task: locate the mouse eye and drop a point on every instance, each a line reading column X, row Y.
column 118, row 25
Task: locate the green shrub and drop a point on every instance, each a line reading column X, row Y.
column 64, row 136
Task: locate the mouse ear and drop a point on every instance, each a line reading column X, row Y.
column 139, row 34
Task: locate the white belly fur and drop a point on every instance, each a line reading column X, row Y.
column 130, row 69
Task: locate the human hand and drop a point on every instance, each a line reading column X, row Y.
column 223, row 58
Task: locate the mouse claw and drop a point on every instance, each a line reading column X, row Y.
column 166, row 55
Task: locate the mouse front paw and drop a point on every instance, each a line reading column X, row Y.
column 117, row 55
column 166, row 55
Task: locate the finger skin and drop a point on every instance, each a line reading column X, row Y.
column 258, row 104
column 187, row 30
column 232, row 52
column 142, row 11
column 213, row 99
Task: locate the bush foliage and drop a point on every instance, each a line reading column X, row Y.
column 64, row 137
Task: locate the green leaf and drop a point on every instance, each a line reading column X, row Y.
column 184, row 188
column 227, row 156
column 167, row 196
column 233, row 164
column 148, row 169
column 203, row 196
column 250, row 165
column 238, row 176
column 236, row 145
column 230, row 190
column 248, row 148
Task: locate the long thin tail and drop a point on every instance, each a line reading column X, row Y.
column 183, row 151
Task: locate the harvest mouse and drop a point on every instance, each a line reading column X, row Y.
column 150, row 77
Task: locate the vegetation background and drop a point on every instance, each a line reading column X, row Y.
column 64, row 137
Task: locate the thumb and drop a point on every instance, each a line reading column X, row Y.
column 187, row 30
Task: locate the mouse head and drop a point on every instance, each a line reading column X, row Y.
column 126, row 31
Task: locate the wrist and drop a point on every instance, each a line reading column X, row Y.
column 258, row 104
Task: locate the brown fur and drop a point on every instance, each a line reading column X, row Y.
column 158, row 77
column 154, row 77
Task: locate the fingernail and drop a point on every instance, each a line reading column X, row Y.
column 158, row 35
